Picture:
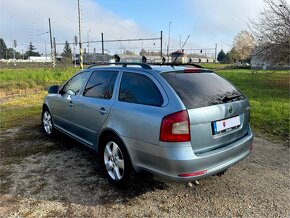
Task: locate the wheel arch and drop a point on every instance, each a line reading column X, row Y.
column 111, row 132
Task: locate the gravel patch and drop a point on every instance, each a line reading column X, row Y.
column 39, row 178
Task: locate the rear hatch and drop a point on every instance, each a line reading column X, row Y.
column 218, row 111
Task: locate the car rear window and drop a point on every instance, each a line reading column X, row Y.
column 202, row 89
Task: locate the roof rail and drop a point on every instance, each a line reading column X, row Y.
column 177, row 64
column 124, row 64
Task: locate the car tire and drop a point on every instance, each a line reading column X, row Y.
column 47, row 123
column 115, row 161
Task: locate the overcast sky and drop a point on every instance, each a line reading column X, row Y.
column 206, row 21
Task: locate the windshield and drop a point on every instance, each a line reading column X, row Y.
column 202, row 89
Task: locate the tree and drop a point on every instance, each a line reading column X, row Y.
column 228, row 59
column 272, row 32
column 243, row 46
column 221, row 56
column 3, row 49
column 143, row 52
column 31, row 51
column 67, row 52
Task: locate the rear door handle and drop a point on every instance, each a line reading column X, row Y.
column 103, row 111
column 71, row 103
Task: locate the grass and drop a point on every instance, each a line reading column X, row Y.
column 214, row 65
column 268, row 92
column 15, row 110
column 22, row 79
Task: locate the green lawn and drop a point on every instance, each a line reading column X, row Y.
column 214, row 65
column 21, row 79
column 31, row 81
column 268, row 92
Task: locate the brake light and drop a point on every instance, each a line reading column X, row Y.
column 175, row 127
column 192, row 70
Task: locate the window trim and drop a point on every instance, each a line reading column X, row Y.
column 96, row 70
column 149, row 76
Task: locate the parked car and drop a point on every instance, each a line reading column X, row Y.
column 180, row 122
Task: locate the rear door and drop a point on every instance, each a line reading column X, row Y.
column 218, row 112
column 138, row 111
column 94, row 104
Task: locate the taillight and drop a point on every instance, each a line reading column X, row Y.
column 175, row 127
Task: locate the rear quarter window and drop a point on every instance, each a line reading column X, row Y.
column 139, row 89
column 201, row 89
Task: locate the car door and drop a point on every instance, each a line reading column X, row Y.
column 139, row 108
column 93, row 106
column 62, row 106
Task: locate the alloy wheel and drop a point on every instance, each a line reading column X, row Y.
column 47, row 123
column 114, row 161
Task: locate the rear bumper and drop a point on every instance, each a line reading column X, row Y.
column 171, row 161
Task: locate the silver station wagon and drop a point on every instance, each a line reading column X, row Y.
column 180, row 122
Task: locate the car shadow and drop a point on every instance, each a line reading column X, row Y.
column 61, row 169
column 109, row 193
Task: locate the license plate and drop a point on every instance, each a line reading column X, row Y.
column 226, row 125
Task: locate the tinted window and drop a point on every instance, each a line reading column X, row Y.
column 140, row 89
column 111, row 86
column 101, row 84
column 202, row 89
column 75, row 83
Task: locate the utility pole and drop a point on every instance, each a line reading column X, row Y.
column 102, row 36
column 14, row 48
column 51, row 47
column 215, row 52
column 54, row 51
column 80, row 37
column 75, row 44
column 168, row 40
column 161, row 45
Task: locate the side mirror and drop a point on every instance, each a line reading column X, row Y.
column 70, row 92
column 53, row 89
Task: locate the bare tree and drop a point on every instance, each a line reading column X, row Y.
column 243, row 46
column 272, row 32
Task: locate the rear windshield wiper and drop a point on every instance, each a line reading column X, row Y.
column 226, row 99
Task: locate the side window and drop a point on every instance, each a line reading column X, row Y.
column 74, row 84
column 140, row 89
column 101, row 84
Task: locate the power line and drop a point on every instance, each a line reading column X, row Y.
column 114, row 40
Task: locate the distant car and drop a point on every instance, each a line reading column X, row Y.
column 184, row 123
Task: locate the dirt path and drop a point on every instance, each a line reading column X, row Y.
column 41, row 179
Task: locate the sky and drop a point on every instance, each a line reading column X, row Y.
column 206, row 22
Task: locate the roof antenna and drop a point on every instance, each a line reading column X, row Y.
column 180, row 50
